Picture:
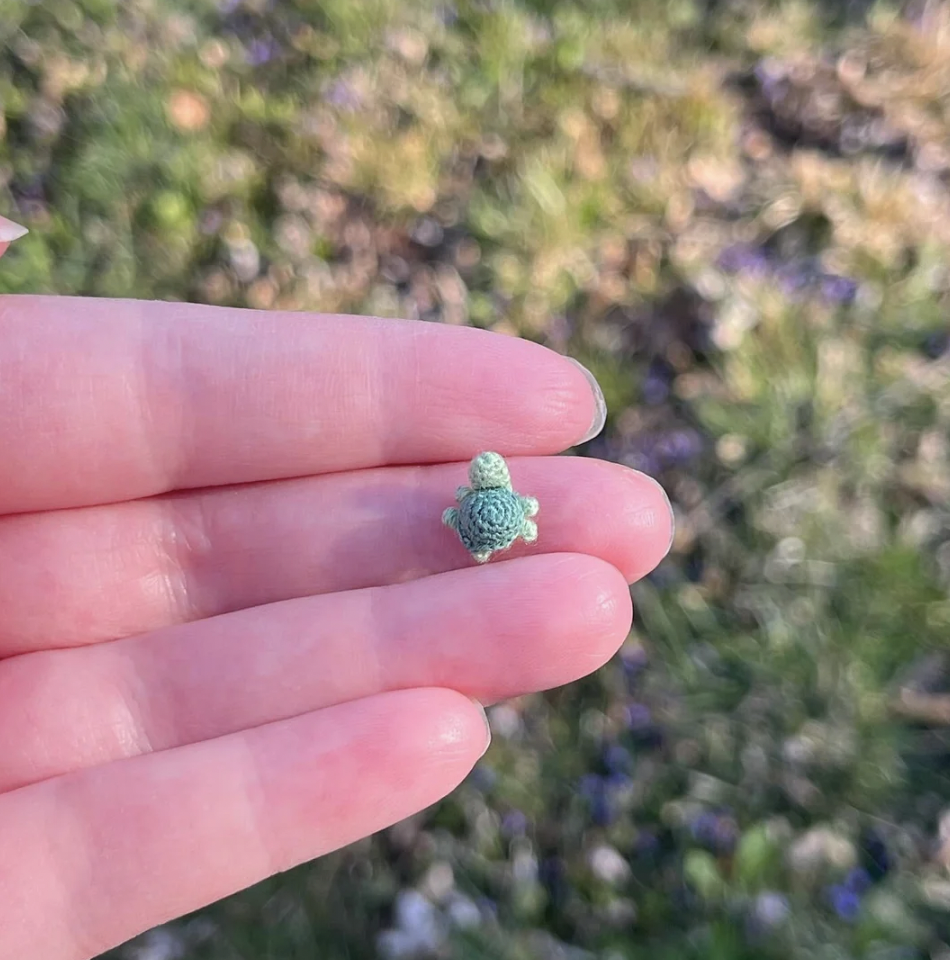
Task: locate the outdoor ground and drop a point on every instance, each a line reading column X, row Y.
column 737, row 213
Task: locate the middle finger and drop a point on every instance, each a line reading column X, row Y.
column 82, row 576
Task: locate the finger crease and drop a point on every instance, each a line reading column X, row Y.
column 183, row 543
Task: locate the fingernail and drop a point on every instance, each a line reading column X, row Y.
column 600, row 412
column 669, row 505
column 481, row 710
column 10, row 231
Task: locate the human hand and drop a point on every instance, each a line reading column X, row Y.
column 234, row 633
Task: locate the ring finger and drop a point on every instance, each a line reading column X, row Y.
column 489, row 632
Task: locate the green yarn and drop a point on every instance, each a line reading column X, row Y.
column 490, row 520
column 489, row 471
column 490, row 516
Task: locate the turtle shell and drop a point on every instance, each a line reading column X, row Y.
column 490, row 520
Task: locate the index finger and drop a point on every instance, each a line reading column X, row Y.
column 108, row 400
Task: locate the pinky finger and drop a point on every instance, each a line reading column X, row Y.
column 10, row 231
column 92, row 859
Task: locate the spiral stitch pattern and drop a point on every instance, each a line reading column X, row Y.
column 490, row 520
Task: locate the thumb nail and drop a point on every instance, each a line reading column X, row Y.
column 481, row 710
column 600, row 405
column 10, row 231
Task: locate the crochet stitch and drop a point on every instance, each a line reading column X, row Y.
column 490, row 516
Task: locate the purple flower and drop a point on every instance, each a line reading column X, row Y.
column 742, row 258
column 644, row 732
column 640, row 460
column 703, row 828
column 656, row 387
column 771, row 909
column 725, row 834
column 514, row 824
column 638, row 716
column 771, row 76
column 838, row 289
column 795, row 278
column 590, row 786
column 617, row 759
column 261, row 51
column 640, row 452
column 482, row 778
column 601, row 811
column 618, row 781
column 680, row 446
column 594, row 790
column 715, row 831
column 846, row 903
column 604, row 448
column 343, row 95
column 858, row 880
column 633, row 662
column 559, row 328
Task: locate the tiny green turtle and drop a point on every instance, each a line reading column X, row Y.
column 490, row 516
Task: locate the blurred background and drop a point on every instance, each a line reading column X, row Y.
column 737, row 214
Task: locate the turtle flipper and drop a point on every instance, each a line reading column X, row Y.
column 451, row 518
column 529, row 532
column 531, row 506
column 483, row 556
column 462, row 493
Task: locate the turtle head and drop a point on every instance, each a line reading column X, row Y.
column 489, row 471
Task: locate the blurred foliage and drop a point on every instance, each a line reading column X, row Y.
column 737, row 214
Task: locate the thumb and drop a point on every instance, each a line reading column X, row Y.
column 10, row 231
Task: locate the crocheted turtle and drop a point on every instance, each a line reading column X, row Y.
column 490, row 516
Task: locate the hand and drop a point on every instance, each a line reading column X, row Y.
column 235, row 634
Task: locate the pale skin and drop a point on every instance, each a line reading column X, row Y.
column 230, row 630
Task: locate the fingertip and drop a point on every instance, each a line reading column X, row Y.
column 455, row 726
column 648, row 523
column 576, row 612
column 557, row 402
column 595, row 507
column 607, row 608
